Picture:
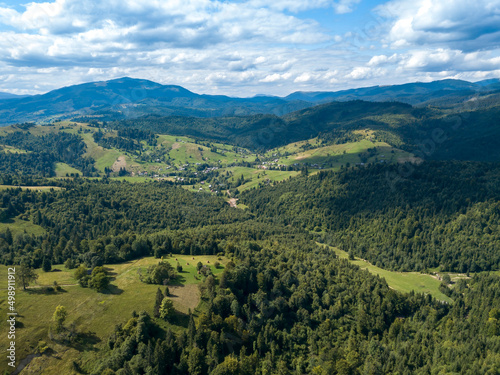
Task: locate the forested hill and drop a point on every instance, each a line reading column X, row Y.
column 290, row 308
column 282, row 304
column 209, row 258
column 472, row 133
column 128, row 98
column 407, row 218
column 263, row 132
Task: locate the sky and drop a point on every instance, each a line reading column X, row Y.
column 247, row 47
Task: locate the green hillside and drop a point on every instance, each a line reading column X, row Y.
column 93, row 314
column 346, row 238
column 433, row 215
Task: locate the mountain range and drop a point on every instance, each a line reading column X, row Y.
column 126, row 98
column 8, row 95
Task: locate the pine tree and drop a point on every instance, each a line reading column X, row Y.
column 191, row 328
column 46, row 264
column 8, row 236
column 159, row 299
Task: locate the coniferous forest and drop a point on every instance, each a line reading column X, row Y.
column 250, row 187
column 264, row 225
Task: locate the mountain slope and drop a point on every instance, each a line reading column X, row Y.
column 8, row 95
column 471, row 134
column 130, row 98
column 126, row 98
column 411, row 93
column 425, row 216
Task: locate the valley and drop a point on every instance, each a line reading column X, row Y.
column 250, row 240
column 199, row 164
column 250, row 187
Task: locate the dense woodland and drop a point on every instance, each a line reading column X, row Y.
column 407, row 218
column 285, row 304
column 471, row 132
column 290, row 307
column 106, row 222
column 42, row 154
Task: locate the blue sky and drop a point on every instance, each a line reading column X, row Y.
column 247, row 47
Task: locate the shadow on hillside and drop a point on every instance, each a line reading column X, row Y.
column 47, row 290
column 112, row 275
column 112, row 289
column 180, row 280
column 180, row 319
column 85, row 341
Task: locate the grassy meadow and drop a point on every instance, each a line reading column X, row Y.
column 401, row 281
column 95, row 314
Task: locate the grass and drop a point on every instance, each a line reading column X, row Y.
column 13, row 150
column 63, row 169
column 293, row 148
column 103, row 157
column 401, row 281
column 267, row 177
column 344, row 153
column 19, row 226
column 30, row 187
column 94, row 314
column 256, row 176
column 185, row 149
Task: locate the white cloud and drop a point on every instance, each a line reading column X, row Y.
column 304, row 77
column 360, row 72
column 245, row 47
column 378, row 60
column 276, row 77
column 340, row 7
column 345, row 6
column 460, row 24
column 449, row 61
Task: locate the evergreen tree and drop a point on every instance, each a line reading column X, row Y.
column 46, row 264
column 158, row 301
column 166, row 308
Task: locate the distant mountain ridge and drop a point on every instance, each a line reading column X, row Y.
column 130, row 98
column 411, row 93
column 127, row 98
column 8, row 95
column 471, row 133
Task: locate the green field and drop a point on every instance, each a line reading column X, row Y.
column 19, row 226
column 185, row 150
column 293, row 148
column 64, row 170
column 13, row 150
column 182, row 157
column 94, row 314
column 103, row 157
column 401, row 281
column 333, row 156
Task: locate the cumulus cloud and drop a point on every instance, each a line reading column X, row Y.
column 245, row 47
column 190, row 38
column 345, row 6
column 275, row 77
column 449, row 60
column 458, row 24
column 427, row 40
column 340, row 7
